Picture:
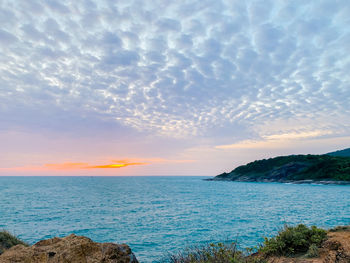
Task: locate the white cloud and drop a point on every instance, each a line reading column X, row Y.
column 178, row 70
column 276, row 140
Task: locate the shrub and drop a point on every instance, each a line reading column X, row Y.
column 212, row 253
column 8, row 240
column 312, row 251
column 293, row 240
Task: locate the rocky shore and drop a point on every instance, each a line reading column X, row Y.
column 335, row 248
column 70, row 249
column 260, row 180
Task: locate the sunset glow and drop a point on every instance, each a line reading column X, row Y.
column 173, row 88
column 65, row 166
column 114, row 165
column 75, row 166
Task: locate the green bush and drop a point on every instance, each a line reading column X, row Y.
column 312, row 251
column 212, row 253
column 293, row 240
column 8, row 240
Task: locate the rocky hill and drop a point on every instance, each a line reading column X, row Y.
column 294, row 168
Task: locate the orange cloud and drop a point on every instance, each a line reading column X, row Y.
column 72, row 166
column 113, row 165
column 154, row 160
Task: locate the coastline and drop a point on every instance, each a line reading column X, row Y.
column 307, row 181
column 318, row 246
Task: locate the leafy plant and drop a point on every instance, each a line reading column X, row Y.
column 293, row 240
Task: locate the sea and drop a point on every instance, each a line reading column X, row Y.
column 157, row 216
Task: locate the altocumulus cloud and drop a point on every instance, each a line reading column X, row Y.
column 178, row 68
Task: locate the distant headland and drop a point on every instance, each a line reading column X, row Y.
column 330, row 168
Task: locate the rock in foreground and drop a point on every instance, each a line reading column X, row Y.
column 72, row 249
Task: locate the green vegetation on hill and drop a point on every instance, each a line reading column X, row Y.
column 292, row 168
column 8, row 240
column 341, row 153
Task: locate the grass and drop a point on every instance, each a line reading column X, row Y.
column 212, row 253
column 8, row 240
column 313, row 251
column 291, row 241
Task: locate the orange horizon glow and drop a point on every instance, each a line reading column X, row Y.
column 64, row 166
column 114, row 165
column 74, row 166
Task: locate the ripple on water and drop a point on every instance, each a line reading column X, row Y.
column 156, row 215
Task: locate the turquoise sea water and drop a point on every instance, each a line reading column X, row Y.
column 155, row 215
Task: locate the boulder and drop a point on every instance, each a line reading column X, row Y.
column 70, row 249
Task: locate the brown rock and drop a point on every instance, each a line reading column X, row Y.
column 70, row 249
column 337, row 247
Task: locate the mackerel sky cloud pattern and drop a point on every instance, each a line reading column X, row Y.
column 213, row 72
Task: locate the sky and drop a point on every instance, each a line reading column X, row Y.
column 192, row 87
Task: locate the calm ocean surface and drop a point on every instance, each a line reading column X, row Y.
column 155, row 215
